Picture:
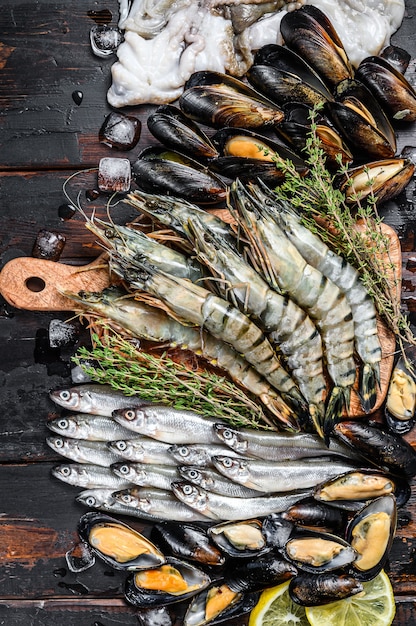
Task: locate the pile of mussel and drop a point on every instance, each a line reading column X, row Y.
column 267, row 117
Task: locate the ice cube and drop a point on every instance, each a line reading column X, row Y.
column 120, row 131
column 114, row 174
column 105, row 40
column 62, row 333
column 48, row 245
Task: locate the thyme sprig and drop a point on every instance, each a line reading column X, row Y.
column 356, row 235
column 119, row 362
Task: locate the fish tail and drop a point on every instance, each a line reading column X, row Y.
column 368, row 384
column 338, row 400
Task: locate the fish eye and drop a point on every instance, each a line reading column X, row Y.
column 121, row 445
column 63, row 423
column 227, row 434
column 193, row 474
column 65, row 470
column 59, row 443
column 129, row 414
column 187, row 490
column 126, row 498
column 183, row 451
column 123, row 469
column 227, row 462
column 90, row 501
column 65, row 394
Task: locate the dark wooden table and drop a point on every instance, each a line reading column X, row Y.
column 44, row 137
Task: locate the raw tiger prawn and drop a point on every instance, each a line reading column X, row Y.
column 347, row 279
column 287, row 271
column 197, row 306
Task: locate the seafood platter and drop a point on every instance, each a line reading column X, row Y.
column 219, row 393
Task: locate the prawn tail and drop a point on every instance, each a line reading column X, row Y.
column 337, row 402
column 317, row 418
column 369, row 382
column 282, row 412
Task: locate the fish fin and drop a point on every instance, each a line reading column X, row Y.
column 368, row 384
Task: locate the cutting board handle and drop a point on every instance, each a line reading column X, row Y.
column 35, row 284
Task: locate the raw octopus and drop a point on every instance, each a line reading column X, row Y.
column 165, row 41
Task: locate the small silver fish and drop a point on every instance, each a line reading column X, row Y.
column 143, row 449
column 199, row 454
column 275, row 477
column 89, row 427
column 211, row 480
column 218, row 507
column 104, row 500
column 147, row 475
column 167, row 424
column 274, row 446
column 160, row 504
column 93, row 398
column 95, row 452
column 89, row 476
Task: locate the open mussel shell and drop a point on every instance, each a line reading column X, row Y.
column 379, row 446
column 243, row 539
column 220, row 100
column 318, row 552
column 400, row 404
column 166, row 172
column 117, row 544
column 295, row 130
column 319, row 589
column 371, row 533
column 277, row 530
column 283, row 76
column 384, row 179
column 395, row 94
column 249, row 156
column 187, row 541
column 218, row 604
column 177, row 132
column 351, row 490
column 310, row 33
column 171, row 582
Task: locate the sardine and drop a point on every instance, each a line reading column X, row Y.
column 89, row 476
column 198, row 454
column 143, row 449
column 89, row 427
column 274, row 446
column 218, row 507
column 275, row 477
column 93, row 398
column 167, row 424
column 212, row 480
column 104, row 500
column 95, row 452
column 159, row 504
column 147, row 475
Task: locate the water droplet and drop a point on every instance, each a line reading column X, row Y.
column 77, row 96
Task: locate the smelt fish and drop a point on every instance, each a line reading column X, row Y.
column 167, row 424
column 89, row 476
column 104, row 500
column 93, row 398
column 275, row 477
column 146, row 475
column 143, row 449
column 95, row 452
column 218, row 507
column 89, row 427
column 198, row 454
column 159, row 504
column 274, row 446
column 213, row 481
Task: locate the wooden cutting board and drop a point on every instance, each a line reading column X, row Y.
column 34, row 284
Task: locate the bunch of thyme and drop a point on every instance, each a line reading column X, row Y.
column 356, row 235
column 117, row 361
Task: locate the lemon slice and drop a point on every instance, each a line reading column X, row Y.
column 275, row 608
column 374, row 606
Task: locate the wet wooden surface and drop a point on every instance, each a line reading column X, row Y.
column 45, row 137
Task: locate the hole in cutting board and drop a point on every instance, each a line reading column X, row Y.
column 35, row 284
